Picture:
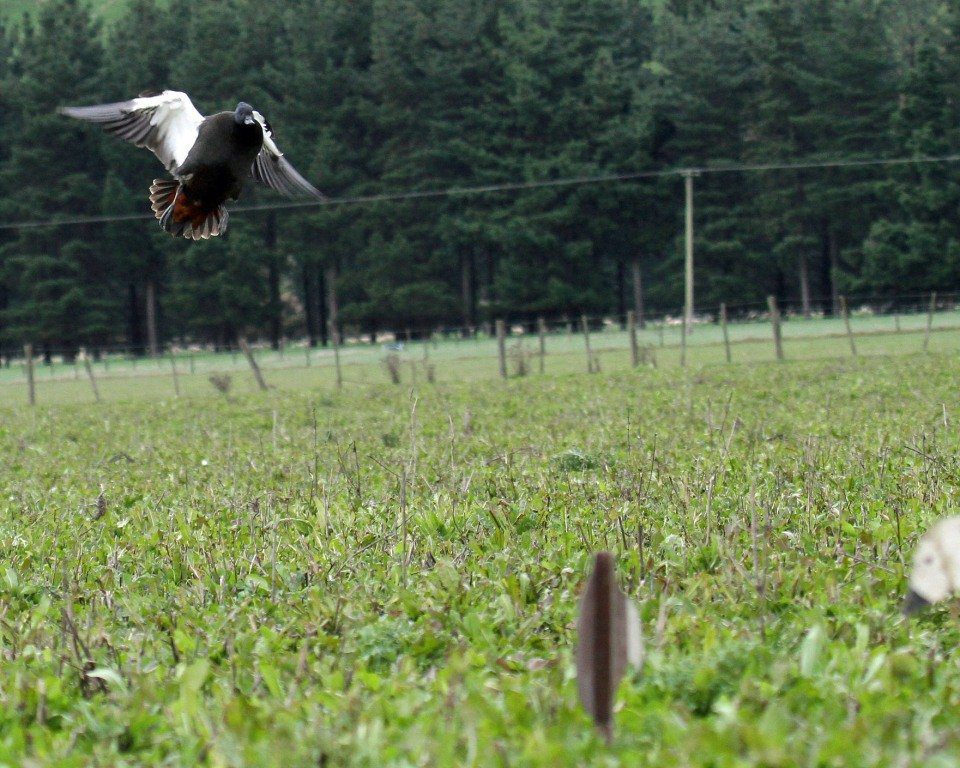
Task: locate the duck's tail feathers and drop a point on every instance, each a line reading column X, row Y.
column 183, row 217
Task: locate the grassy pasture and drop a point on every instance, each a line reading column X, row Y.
column 387, row 576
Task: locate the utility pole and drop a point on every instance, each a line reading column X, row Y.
column 688, row 175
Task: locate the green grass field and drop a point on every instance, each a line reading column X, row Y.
column 388, row 576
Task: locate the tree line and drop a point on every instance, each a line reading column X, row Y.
column 378, row 96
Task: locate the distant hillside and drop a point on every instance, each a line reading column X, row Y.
column 106, row 10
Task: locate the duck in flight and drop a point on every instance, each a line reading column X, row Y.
column 209, row 158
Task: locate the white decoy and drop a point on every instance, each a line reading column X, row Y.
column 936, row 566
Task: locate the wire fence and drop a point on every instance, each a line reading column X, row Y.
column 862, row 306
column 561, row 345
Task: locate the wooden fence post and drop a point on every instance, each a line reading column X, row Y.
column 723, row 327
column 585, row 327
column 151, row 302
column 542, row 333
column 637, row 292
column 846, row 322
column 634, row 350
column 683, row 344
column 775, row 322
column 933, row 306
column 333, row 314
column 173, row 367
column 89, row 367
column 247, row 353
column 334, row 333
column 31, row 383
column 502, row 347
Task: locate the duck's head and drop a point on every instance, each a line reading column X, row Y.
column 243, row 114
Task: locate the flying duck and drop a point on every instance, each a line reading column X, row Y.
column 209, row 158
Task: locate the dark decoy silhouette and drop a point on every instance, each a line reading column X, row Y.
column 209, row 158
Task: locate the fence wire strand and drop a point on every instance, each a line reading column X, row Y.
column 510, row 186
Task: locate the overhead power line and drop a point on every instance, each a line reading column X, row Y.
column 509, row 186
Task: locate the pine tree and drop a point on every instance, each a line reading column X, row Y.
column 571, row 70
column 779, row 44
column 9, row 132
column 917, row 246
column 228, row 285
column 826, row 95
column 59, row 295
column 850, row 80
column 702, row 93
column 329, row 122
column 431, row 69
column 139, row 249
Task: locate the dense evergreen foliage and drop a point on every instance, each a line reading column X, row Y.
column 379, row 96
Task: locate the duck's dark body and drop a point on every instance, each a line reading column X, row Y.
column 213, row 173
column 220, row 160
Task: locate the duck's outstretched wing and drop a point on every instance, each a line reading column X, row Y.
column 164, row 123
column 272, row 169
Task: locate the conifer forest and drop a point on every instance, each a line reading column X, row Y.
column 378, row 97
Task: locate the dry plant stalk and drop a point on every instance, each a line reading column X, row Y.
column 221, row 382
column 608, row 638
column 520, row 358
column 392, row 361
column 254, row 366
column 101, row 505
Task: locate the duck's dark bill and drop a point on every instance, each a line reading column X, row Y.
column 913, row 603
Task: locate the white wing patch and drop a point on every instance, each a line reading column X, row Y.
column 272, row 169
column 268, row 143
column 166, row 124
